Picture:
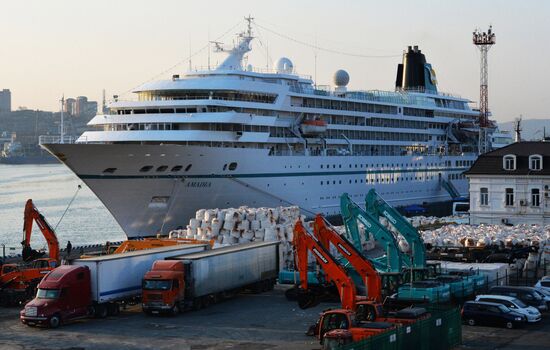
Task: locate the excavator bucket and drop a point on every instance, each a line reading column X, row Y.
column 307, row 299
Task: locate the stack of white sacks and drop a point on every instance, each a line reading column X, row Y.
column 240, row 225
column 418, row 221
column 485, row 235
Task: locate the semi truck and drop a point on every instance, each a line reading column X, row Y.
column 193, row 281
column 95, row 286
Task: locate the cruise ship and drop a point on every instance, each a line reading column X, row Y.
column 235, row 135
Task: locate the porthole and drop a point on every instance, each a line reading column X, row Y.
column 109, row 171
column 162, row 168
column 224, row 167
column 187, row 168
column 145, row 169
column 176, row 168
column 232, row 166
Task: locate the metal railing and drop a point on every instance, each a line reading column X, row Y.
column 57, row 139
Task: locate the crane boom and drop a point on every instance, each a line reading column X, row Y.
column 351, row 214
column 32, row 214
column 377, row 206
column 305, row 242
column 327, row 234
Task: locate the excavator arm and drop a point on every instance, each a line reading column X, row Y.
column 32, row 214
column 377, row 206
column 352, row 214
column 327, row 234
column 305, row 242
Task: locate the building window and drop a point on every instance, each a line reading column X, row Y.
column 535, row 197
column 484, row 196
column 509, row 199
column 535, row 162
column 509, row 162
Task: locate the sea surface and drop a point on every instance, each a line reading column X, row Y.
column 51, row 187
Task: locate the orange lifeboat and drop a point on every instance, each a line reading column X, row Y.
column 313, row 127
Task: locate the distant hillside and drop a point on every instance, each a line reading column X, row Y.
column 530, row 128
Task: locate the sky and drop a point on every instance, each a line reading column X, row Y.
column 65, row 47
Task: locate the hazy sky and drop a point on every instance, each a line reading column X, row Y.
column 51, row 47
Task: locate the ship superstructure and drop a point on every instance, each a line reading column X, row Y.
column 235, row 136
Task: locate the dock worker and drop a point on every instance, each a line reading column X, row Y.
column 69, row 248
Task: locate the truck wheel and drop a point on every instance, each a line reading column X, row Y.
column 101, row 311
column 55, row 321
column 197, row 304
column 175, row 310
column 509, row 325
column 113, row 309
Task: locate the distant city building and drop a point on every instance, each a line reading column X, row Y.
column 80, row 106
column 70, row 106
column 511, row 185
column 5, row 100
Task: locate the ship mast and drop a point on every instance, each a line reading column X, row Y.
column 235, row 54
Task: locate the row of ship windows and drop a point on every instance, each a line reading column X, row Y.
column 146, row 168
column 384, row 179
column 225, row 95
column 274, row 131
column 388, row 165
column 361, row 195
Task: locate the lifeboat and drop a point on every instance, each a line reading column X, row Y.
column 313, row 127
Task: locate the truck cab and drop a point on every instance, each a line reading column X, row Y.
column 340, row 326
column 163, row 288
column 63, row 295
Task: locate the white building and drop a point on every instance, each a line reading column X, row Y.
column 511, row 185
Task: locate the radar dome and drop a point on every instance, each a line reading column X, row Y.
column 341, row 78
column 284, row 65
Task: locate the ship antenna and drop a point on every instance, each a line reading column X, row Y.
column 249, row 20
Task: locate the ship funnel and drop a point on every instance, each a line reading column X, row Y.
column 415, row 73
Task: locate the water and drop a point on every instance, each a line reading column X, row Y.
column 51, row 188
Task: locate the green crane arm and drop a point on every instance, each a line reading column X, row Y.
column 377, row 206
column 351, row 214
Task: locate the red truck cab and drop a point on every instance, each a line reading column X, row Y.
column 64, row 294
column 163, row 288
column 340, row 327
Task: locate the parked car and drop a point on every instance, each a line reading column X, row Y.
column 526, row 294
column 514, row 304
column 544, row 283
column 545, row 294
column 491, row 314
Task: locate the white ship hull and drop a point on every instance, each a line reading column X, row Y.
column 145, row 203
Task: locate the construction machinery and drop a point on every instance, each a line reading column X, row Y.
column 360, row 316
column 391, row 262
column 378, row 207
column 327, row 235
column 411, row 252
column 149, row 243
column 18, row 281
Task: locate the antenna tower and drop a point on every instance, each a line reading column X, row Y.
column 484, row 41
column 518, row 129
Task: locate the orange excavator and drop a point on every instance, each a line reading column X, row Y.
column 149, row 243
column 18, row 281
column 360, row 316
